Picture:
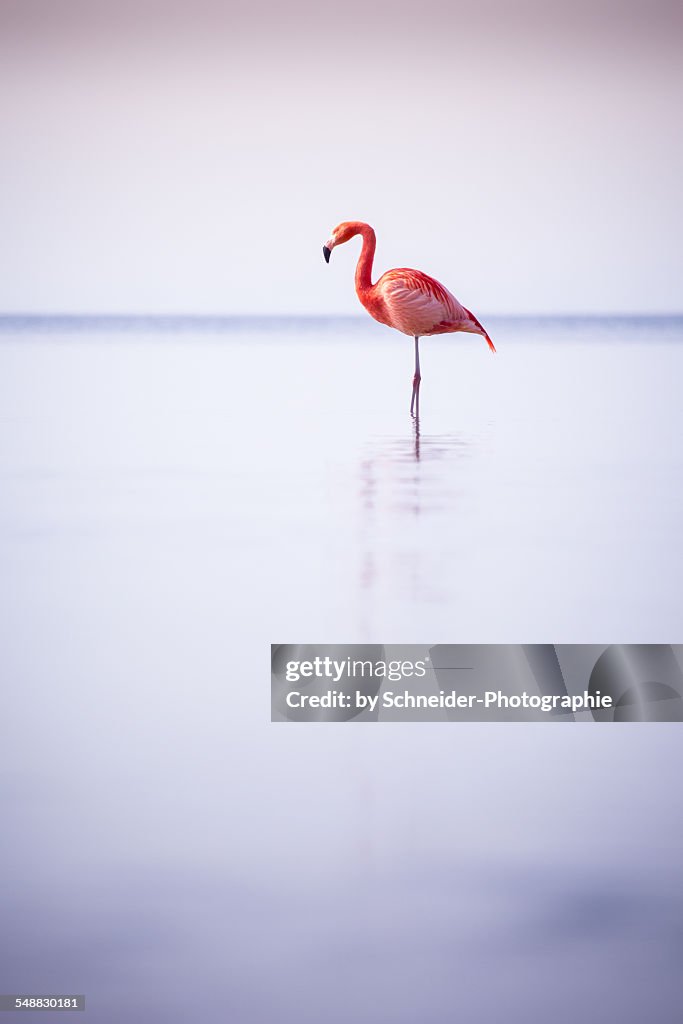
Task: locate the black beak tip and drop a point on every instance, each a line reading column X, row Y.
column 327, row 253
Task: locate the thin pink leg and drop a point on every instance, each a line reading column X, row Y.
column 415, row 400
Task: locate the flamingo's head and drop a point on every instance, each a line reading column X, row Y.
column 341, row 234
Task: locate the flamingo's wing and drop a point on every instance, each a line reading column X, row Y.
column 418, row 304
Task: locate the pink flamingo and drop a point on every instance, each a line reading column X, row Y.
column 408, row 300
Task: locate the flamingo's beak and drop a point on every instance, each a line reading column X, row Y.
column 327, row 253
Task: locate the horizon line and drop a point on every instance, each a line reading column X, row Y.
column 157, row 315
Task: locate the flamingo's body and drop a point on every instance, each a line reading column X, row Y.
column 408, row 300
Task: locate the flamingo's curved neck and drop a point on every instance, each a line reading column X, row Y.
column 367, row 255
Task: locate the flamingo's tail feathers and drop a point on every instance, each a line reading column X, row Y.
column 478, row 329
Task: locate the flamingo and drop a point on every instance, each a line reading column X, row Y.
column 408, row 300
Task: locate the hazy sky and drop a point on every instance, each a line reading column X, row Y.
column 194, row 157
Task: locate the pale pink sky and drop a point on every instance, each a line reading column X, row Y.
column 193, row 157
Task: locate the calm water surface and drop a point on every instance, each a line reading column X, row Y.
column 175, row 496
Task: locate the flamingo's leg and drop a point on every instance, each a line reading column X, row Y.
column 415, row 400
